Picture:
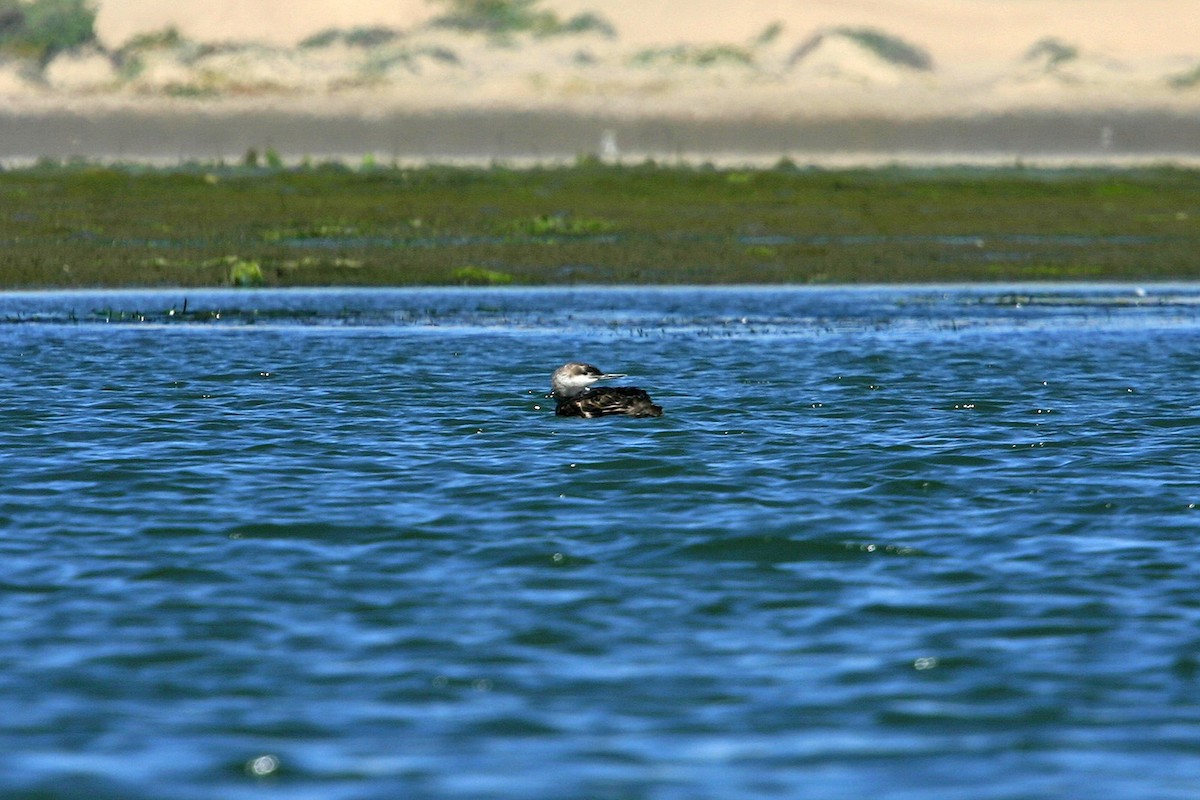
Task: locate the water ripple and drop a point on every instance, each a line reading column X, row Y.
column 904, row 542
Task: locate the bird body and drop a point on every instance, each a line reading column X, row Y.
column 571, row 385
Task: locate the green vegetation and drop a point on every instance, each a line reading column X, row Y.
column 410, row 58
column 130, row 58
column 885, row 46
column 500, row 18
column 79, row 224
column 1186, row 80
column 768, row 35
column 480, row 276
column 891, row 49
column 1052, row 52
column 163, row 39
column 38, row 30
column 369, row 36
column 558, row 225
column 709, row 55
column 245, row 273
column 695, row 55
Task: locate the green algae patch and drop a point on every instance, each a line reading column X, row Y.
column 558, row 225
column 246, row 274
column 480, row 276
column 79, row 224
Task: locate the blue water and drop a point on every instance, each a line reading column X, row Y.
column 886, row 543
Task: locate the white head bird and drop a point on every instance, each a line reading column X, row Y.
column 571, row 385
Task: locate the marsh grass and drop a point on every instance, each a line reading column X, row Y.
column 78, row 224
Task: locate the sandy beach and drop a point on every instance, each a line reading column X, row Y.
column 873, row 80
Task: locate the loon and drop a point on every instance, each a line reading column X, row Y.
column 570, row 384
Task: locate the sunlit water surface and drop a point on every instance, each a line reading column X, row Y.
column 901, row 543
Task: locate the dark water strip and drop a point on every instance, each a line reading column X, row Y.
column 202, row 134
column 721, row 311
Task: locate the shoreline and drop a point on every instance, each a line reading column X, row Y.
column 1090, row 138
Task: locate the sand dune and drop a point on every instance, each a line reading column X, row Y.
column 689, row 60
column 692, row 58
column 954, row 30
